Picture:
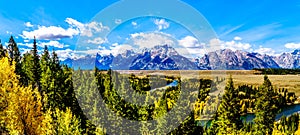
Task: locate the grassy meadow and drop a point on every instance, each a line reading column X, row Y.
column 240, row 77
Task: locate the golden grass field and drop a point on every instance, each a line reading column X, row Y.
column 240, row 77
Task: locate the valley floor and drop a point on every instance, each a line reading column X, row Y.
column 240, row 77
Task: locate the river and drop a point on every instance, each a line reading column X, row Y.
column 286, row 111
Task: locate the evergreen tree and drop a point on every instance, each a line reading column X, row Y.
column 45, row 72
column 54, row 64
column 228, row 120
column 51, row 82
column 2, row 50
column 36, row 70
column 15, row 55
column 27, row 77
column 265, row 108
column 45, row 59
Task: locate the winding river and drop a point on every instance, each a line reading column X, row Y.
column 286, row 111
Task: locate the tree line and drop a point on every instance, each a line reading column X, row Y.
column 278, row 71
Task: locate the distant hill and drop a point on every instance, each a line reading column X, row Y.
column 164, row 57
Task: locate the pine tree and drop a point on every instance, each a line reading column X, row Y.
column 2, row 50
column 54, row 64
column 51, row 83
column 45, row 79
column 15, row 55
column 265, row 108
column 27, row 77
column 45, row 59
column 36, row 69
column 228, row 120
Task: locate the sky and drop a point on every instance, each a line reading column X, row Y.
column 194, row 27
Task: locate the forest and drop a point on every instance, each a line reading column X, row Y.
column 41, row 96
column 278, row 71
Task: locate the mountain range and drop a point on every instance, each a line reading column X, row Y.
column 165, row 57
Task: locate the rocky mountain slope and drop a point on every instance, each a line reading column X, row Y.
column 164, row 57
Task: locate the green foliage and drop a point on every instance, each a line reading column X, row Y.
column 36, row 69
column 287, row 125
column 66, row 122
column 13, row 50
column 2, row 50
column 228, row 120
column 266, row 108
column 278, row 71
column 27, row 65
column 15, row 55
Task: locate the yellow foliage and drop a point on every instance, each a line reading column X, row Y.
column 21, row 108
column 298, row 130
column 21, row 111
column 47, row 125
column 66, row 122
column 199, row 107
column 99, row 131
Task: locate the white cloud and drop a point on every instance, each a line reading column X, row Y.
column 120, row 49
column 234, row 45
column 87, row 29
column 237, row 38
column 89, row 51
column 114, row 44
column 97, row 41
column 192, row 47
column 57, row 32
column 216, row 44
column 51, row 43
column 118, row 21
column 50, row 33
column 64, row 54
column 54, row 44
column 189, row 41
column 161, row 24
column 263, row 50
column 134, row 23
column 68, row 53
column 149, row 40
column 75, row 23
column 30, row 45
column 191, row 52
column 115, row 49
column 28, row 24
column 292, row 45
column 26, row 40
column 24, row 50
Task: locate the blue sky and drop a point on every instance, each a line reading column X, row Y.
column 265, row 26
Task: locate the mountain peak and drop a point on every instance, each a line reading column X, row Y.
column 296, row 52
column 165, row 49
column 127, row 53
column 165, row 57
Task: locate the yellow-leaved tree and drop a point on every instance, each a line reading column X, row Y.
column 60, row 122
column 20, row 106
column 21, row 109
